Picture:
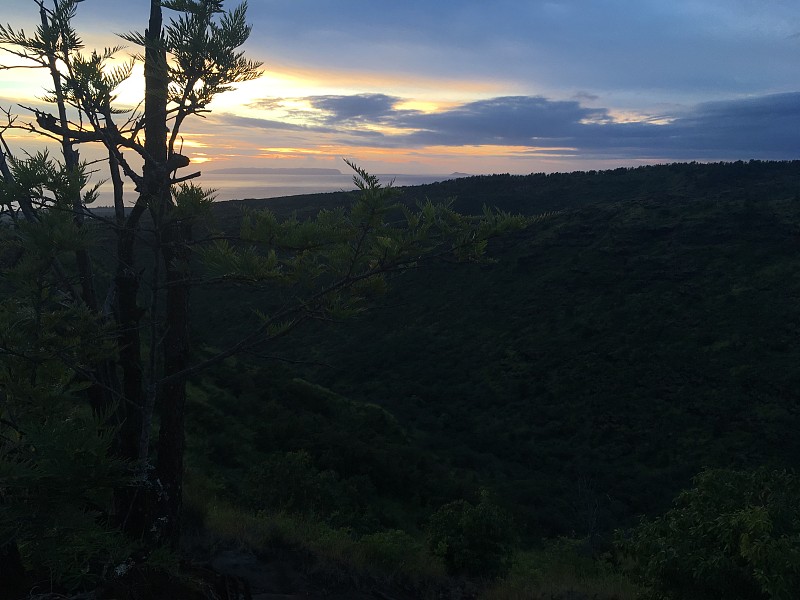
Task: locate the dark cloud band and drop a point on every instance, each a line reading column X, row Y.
column 759, row 127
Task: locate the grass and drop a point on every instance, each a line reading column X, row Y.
column 334, row 555
column 556, row 572
column 561, row 570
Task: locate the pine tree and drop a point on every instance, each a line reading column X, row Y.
column 139, row 317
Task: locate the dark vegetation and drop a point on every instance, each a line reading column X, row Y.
column 611, row 353
column 492, row 430
column 95, row 313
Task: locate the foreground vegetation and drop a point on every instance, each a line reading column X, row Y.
column 494, row 430
column 95, row 332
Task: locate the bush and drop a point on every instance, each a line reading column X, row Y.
column 475, row 540
column 392, row 549
column 290, row 482
column 56, row 485
column 734, row 535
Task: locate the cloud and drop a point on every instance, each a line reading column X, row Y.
column 759, row 127
column 355, row 108
column 763, row 127
column 509, row 120
column 648, row 51
column 257, row 123
column 268, row 104
column 585, row 96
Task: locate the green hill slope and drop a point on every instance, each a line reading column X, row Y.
column 607, row 356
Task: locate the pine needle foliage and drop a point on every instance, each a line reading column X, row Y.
column 335, row 262
column 56, row 468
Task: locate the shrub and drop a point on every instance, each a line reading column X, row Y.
column 56, row 482
column 734, row 535
column 475, row 540
column 392, row 549
column 290, row 482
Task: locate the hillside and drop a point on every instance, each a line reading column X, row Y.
column 607, row 355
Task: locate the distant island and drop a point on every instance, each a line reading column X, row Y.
column 274, row 171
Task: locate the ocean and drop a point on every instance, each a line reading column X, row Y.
column 254, row 185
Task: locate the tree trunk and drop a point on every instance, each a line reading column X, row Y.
column 169, row 468
column 171, row 238
column 131, row 503
column 137, row 507
column 155, row 104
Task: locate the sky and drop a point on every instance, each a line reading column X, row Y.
column 500, row 86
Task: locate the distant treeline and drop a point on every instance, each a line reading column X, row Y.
column 541, row 192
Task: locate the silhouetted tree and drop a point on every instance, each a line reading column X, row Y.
column 331, row 264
